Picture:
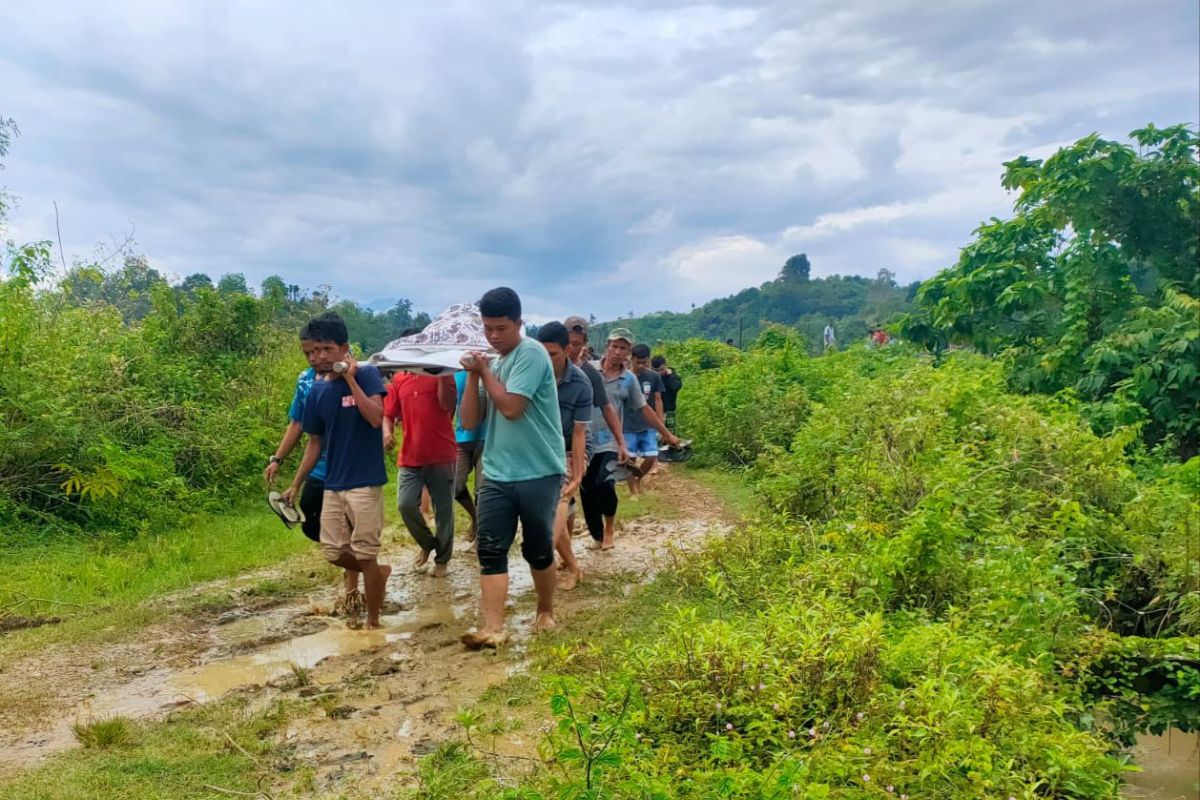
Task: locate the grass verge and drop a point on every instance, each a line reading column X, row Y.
column 101, row 587
column 192, row 755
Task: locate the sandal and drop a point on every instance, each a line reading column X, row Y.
column 291, row 515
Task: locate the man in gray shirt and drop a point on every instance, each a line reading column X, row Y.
column 598, row 491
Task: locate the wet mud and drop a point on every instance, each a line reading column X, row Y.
column 397, row 689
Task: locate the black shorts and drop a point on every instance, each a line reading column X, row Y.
column 501, row 504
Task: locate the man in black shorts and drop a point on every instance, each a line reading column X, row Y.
column 524, row 466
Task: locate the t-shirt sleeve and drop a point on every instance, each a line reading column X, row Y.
column 313, row 423
column 391, row 403
column 370, row 381
column 528, row 372
column 599, row 395
column 296, row 410
column 633, row 388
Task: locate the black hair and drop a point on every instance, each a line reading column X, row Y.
column 500, row 302
column 409, row 332
column 658, row 361
column 329, row 327
column 640, row 351
column 554, row 333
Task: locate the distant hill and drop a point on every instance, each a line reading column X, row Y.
column 853, row 302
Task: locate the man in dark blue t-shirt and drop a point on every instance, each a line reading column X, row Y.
column 342, row 416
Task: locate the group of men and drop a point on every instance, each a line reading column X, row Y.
column 538, row 425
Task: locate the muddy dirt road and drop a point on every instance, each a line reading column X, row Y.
column 397, row 688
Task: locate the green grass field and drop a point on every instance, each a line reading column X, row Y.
column 99, row 587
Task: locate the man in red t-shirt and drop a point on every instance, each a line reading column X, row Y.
column 424, row 407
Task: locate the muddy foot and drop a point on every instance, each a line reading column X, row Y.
column 479, row 640
column 439, row 571
column 420, row 560
column 544, row 622
column 569, row 580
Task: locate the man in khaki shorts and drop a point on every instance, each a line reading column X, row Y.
column 343, row 416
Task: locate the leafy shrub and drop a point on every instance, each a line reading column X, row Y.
column 949, row 587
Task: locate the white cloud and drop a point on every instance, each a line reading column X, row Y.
column 433, row 152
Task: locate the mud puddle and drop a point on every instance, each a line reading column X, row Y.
column 1170, row 767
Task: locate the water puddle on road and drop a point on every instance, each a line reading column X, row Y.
column 1170, row 765
column 215, row 679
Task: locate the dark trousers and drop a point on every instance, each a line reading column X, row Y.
column 598, row 493
column 312, row 500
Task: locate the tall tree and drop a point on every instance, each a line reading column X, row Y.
column 1092, row 285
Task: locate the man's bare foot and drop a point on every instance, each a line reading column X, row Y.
column 607, row 544
column 385, row 572
column 544, row 622
column 569, row 580
column 439, row 571
column 479, row 640
column 593, row 545
column 421, row 558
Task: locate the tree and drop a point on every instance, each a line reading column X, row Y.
column 1092, row 285
column 796, row 268
column 8, row 131
column 233, row 283
column 196, row 280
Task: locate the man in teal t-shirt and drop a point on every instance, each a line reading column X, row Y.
column 523, row 464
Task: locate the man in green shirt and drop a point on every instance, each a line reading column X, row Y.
column 523, row 465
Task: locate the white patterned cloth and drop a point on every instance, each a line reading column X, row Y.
column 437, row 350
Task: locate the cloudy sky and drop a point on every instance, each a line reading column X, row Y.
column 598, row 158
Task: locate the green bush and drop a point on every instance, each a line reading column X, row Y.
column 948, row 589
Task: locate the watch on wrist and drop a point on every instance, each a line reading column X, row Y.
column 274, row 460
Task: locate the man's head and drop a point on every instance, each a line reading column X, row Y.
column 641, row 357
column 659, row 364
column 577, row 330
column 554, row 337
column 620, row 341
column 328, row 341
column 500, row 310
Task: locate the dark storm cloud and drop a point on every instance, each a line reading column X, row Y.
column 599, row 158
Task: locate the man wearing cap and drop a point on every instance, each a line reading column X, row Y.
column 625, row 394
column 603, row 414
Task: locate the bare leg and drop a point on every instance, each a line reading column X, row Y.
column 609, row 533
column 375, row 577
column 562, row 544
column 493, row 591
column 648, row 467
column 543, row 583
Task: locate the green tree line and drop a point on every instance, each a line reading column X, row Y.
column 854, row 303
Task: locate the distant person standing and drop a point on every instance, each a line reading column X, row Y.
column 524, row 466
column 470, row 443
column 424, row 405
column 342, row 418
column 641, row 438
column 828, row 336
column 672, row 383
